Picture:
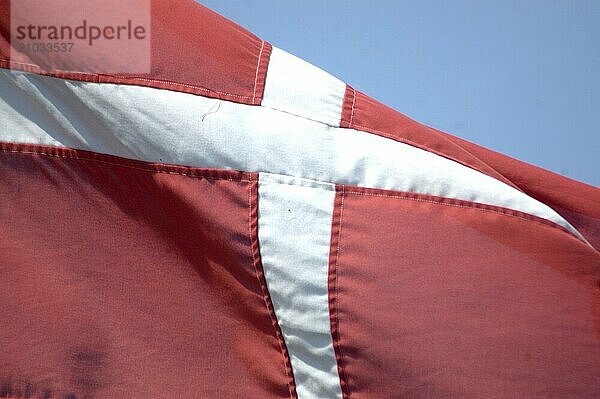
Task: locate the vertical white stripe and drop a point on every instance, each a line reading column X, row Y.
column 294, row 231
column 297, row 87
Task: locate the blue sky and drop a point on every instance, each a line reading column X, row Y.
column 519, row 77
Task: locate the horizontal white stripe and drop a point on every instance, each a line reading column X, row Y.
column 295, row 86
column 167, row 126
column 294, row 231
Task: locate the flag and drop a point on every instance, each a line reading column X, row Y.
column 187, row 211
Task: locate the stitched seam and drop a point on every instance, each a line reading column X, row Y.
column 344, row 376
column 421, row 146
column 390, row 136
column 352, row 111
column 205, row 175
column 265, row 291
column 116, row 77
column 482, row 209
column 168, row 82
column 262, row 47
column 49, row 69
column 209, row 175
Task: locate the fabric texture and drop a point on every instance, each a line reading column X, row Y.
column 238, row 223
column 126, row 281
column 294, row 231
column 434, row 299
column 202, row 132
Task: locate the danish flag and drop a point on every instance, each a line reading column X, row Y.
column 199, row 214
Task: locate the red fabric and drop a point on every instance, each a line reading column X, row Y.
column 439, row 299
column 194, row 50
column 361, row 112
column 127, row 279
column 123, row 279
column 577, row 202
